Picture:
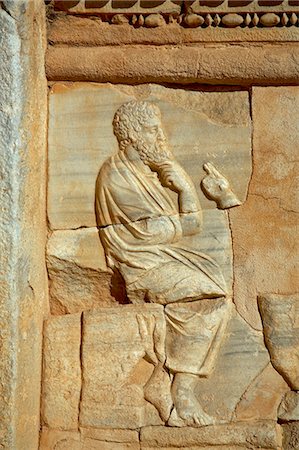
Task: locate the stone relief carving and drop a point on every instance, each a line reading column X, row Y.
column 190, row 14
column 217, row 188
column 279, row 315
column 142, row 231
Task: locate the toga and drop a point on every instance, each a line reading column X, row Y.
column 141, row 232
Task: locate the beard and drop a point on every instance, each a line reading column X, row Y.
column 155, row 154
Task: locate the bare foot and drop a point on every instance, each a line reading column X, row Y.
column 157, row 392
column 186, row 405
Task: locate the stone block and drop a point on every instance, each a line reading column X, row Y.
column 262, row 434
column 89, row 440
column 23, row 229
column 289, row 407
column 110, row 435
column 71, row 30
column 265, row 228
column 79, row 277
column 120, row 6
column 290, row 436
column 86, row 140
column 61, row 372
column 280, row 317
column 210, row 64
column 91, row 444
column 119, row 341
column 263, row 396
column 115, row 343
column 81, row 247
column 241, row 359
column 59, row 440
column 213, row 447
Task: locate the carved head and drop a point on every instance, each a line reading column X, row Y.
column 138, row 124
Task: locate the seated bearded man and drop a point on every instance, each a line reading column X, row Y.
column 141, row 230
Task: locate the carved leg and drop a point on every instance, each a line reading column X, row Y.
column 186, row 406
column 157, row 391
column 195, row 331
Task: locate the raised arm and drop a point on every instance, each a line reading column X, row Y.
column 173, row 176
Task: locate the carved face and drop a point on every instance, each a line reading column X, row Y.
column 152, row 132
column 151, row 142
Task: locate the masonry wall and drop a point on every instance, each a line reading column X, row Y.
column 224, row 76
column 24, row 285
column 199, row 58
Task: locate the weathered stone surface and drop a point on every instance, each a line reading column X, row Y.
column 79, row 278
column 59, row 440
column 70, row 30
column 247, row 435
column 90, row 444
column 265, row 228
column 241, row 359
column 86, row 140
column 234, row 64
column 289, row 407
column 110, row 6
column 213, row 447
column 110, row 435
column 262, row 398
column 89, row 440
column 290, row 436
column 119, row 379
column 23, row 281
column 115, row 342
column 280, row 317
column 61, row 372
column 81, row 247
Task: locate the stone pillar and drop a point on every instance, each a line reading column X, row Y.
column 23, row 280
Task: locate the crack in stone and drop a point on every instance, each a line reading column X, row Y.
column 279, row 200
column 190, row 213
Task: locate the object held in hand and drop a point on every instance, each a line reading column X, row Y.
column 216, row 187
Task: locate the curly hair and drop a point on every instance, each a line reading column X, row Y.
column 130, row 117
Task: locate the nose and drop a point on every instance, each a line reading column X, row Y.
column 161, row 134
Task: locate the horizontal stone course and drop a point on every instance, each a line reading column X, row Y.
column 77, row 31
column 239, row 65
column 252, row 435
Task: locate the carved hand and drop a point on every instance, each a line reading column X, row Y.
column 173, row 176
column 216, row 187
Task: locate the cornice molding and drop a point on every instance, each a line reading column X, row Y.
column 188, row 14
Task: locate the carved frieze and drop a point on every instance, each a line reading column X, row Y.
column 190, row 14
column 159, row 187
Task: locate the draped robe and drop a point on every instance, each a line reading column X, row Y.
column 141, row 232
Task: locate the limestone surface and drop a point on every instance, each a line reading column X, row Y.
column 89, row 439
column 241, row 359
column 230, row 64
column 23, row 285
column 265, row 228
column 262, row 398
column 59, row 440
column 222, row 136
column 61, row 372
column 250, row 435
column 280, row 314
column 289, row 407
column 79, row 277
column 290, row 436
column 70, row 30
column 117, row 345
